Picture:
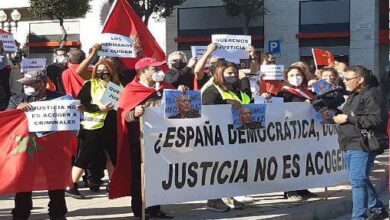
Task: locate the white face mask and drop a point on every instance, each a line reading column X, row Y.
column 30, row 91
column 295, row 80
column 158, row 76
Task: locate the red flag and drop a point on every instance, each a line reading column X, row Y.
column 124, row 21
column 29, row 163
column 271, row 86
column 322, row 57
column 132, row 95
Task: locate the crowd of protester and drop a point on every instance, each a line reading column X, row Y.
column 357, row 102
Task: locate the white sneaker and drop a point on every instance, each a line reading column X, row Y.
column 234, row 204
column 244, row 199
column 217, row 205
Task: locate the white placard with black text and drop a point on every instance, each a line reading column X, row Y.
column 115, row 45
column 111, row 95
column 232, row 48
column 54, row 116
column 33, row 64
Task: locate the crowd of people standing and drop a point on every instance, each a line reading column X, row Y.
column 357, row 102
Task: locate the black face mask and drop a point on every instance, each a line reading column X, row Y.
column 102, row 75
column 179, row 65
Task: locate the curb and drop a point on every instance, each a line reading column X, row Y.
column 328, row 209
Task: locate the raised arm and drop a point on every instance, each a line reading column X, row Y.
column 82, row 70
column 200, row 65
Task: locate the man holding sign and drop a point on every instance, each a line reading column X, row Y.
column 34, row 84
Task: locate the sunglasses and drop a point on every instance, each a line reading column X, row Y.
column 103, row 72
column 349, row 79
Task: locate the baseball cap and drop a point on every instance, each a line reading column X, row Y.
column 147, row 61
column 33, row 76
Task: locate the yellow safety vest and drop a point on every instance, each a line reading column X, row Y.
column 95, row 120
column 245, row 99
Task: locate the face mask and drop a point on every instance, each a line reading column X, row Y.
column 230, row 79
column 30, row 91
column 61, row 59
column 158, row 76
column 179, row 65
column 102, row 75
column 295, row 81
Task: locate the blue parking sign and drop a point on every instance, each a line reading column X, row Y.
column 274, row 46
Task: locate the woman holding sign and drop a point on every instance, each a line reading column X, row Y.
column 99, row 128
column 295, row 90
column 226, row 88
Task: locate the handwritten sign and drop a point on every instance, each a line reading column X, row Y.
column 33, row 64
column 8, row 42
column 54, row 116
column 272, row 72
column 232, row 47
column 111, row 95
column 115, row 45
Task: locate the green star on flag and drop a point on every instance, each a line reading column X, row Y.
column 27, row 144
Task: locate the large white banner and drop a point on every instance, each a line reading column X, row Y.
column 205, row 158
column 58, row 115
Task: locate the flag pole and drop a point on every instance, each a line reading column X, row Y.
column 143, row 214
column 314, row 56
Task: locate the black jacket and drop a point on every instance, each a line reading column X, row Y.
column 17, row 99
column 364, row 112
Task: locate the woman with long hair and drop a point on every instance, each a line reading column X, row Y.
column 226, row 88
column 98, row 131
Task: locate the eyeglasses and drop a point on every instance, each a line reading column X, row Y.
column 351, row 78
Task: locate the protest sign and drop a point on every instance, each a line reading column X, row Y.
column 116, row 45
column 198, row 51
column 322, row 87
column 231, row 47
column 54, row 116
column 250, row 116
column 179, row 105
column 274, row 100
column 199, row 159
column 33, row 64
column 111, row 95
column 272, row 72
column 8, row 42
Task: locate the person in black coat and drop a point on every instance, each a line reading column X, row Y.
column 362, row 111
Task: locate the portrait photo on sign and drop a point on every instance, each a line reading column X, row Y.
column 179, row 105
column 250, row 116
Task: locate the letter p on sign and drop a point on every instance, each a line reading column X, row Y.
column 274, row 46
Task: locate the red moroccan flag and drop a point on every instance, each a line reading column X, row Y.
column 124, row 21
column 322, row 57
column 29, row 163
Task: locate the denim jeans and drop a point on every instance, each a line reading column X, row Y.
column 364, row 196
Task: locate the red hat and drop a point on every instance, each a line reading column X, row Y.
column 147, row 61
